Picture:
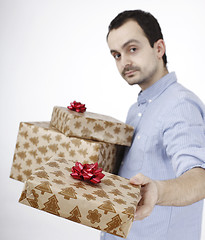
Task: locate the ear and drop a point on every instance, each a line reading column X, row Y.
column 160, row 48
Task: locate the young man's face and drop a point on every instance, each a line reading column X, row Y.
column 136, row 60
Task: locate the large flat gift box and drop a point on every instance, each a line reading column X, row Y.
column 91, row 126
column 108, row 206
column 37, row 142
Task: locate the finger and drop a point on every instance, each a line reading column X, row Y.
column 139, row 179
column 141, row 202
column 142, row 212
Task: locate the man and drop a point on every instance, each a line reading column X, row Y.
column 167, row 155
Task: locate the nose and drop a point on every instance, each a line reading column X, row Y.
column 125, row 61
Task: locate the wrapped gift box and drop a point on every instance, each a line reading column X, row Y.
column 37, row 142
column 91, row 126
column 108, row 206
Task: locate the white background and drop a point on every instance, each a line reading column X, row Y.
column 53, row 52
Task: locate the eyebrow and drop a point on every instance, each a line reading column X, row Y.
column 126, row 43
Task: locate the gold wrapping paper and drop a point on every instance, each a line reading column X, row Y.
column 91, row 126
column 108, row 206
column 37, row 142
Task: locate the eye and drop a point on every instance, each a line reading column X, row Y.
column 116, row 56
column 133, row 49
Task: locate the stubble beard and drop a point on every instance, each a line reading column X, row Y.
column 131, row 78
column 144, row 79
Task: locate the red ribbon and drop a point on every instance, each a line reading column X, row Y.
column 77, row 106
column 87, row 172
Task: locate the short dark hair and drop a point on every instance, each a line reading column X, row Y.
column 146, row 21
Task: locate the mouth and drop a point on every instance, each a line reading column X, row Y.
column 129, row 73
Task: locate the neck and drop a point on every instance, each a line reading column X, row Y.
column 158, row 75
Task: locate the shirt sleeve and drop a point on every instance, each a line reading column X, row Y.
column 184, row 136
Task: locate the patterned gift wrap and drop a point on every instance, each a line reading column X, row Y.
column 37, row 142
column 108, row 206
column 91, row 126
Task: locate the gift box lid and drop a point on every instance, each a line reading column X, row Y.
column 108, row 206
column 92, row 126
column 37, row 142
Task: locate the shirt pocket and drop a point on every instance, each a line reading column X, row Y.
column 134, row 157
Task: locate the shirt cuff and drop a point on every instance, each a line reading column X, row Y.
column 191, row 167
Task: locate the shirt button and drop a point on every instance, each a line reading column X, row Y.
column 150, row 100
column 102, row 234
column 138, row 137
column 139, row 114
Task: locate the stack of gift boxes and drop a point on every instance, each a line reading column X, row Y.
column 45, row 154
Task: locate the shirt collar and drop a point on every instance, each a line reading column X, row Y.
column 152, row 92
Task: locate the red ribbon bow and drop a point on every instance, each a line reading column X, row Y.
column 87, row 172
column 77, row 106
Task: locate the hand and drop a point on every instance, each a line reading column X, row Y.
column 149, row 193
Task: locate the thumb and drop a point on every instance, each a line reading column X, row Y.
column 139, row 179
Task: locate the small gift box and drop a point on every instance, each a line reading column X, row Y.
column 37, row 142
column 91, row 126
column 107, row 206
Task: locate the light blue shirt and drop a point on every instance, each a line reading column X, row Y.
column 169, row 139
